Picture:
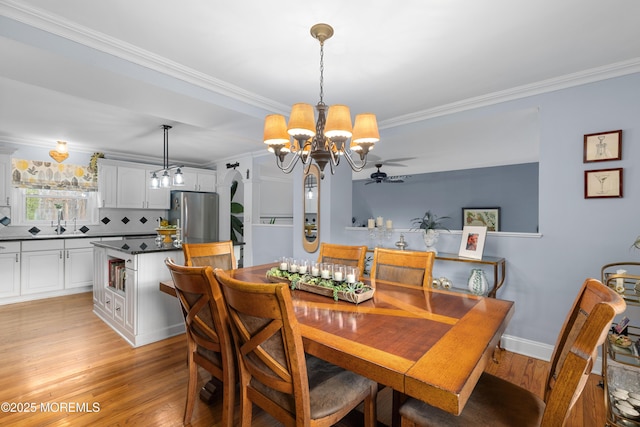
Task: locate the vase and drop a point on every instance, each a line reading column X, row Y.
column 477, row 282
column 430, row 238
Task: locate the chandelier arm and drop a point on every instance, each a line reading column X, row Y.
column 352, row 163
column 292, row 163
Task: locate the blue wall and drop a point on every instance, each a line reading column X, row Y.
column 513, row 188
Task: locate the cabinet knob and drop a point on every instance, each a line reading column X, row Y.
column 118, row 308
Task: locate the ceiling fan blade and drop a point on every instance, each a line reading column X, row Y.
column 372, row 160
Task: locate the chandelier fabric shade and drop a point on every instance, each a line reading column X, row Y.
column 323, row 140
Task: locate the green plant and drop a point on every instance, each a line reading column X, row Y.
column 237, row 227
column 429, row 221
column 636, row 244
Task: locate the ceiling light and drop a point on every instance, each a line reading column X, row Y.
column 60, row 153
column 323, row 141
column 165, row 180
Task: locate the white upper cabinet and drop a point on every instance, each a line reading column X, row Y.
column 198, row 180
column 5, row 179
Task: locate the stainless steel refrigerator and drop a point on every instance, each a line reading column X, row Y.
column 197, row 213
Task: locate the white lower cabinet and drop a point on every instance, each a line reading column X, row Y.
column 135, row 307
column 42, row 267
column 9, row 269
column 78, row 263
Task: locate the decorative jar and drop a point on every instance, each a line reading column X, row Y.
column 430, row 238
column 477, row 282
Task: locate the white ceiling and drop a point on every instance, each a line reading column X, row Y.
column 105, row 75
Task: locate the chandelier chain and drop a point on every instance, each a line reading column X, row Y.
column 322, row 73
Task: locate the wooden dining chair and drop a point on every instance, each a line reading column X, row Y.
column 275, row 373
column 497, row 402
column 406, row 267
column 208, row 336
column 214, row 254
column 343, row 254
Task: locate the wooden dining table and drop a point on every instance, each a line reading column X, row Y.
column 430, row 344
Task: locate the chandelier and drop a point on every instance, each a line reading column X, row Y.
column 326, row 140
column 165, row 181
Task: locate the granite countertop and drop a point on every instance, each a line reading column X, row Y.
column 76, row 236
column 140, row 246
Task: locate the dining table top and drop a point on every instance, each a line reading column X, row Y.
column 430, row 344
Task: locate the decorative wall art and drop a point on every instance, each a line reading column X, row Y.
column 472, row 243
column 603, row 183
column 603, row 146
column 489, row 217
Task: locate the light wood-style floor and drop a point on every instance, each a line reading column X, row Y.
column 65, row 366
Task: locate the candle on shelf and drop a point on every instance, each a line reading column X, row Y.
column 379, row 221
column 389, row 224
column 371, row 223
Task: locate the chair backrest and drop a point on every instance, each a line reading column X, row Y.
column 269, row 346
column 205, row 314
column 576, row 350
column 406, row 267
column 343, row 254
column 214, row 254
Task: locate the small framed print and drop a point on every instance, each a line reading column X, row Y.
column 603, row 146
column 603, row 183
column 482, row 216
column 472, row 243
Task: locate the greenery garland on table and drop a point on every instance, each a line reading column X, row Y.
column 336, row 287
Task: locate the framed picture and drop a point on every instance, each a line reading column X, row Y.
column 603, row 146
column 472, row 243
column 603, row 183
column 489, row 217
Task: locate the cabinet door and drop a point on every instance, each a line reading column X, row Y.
column 5, row 177
column 99, row 276
column 42, row 271
column 207, row 181
column 9, row 274
column 107, row 185
column 190, row 181
column 131, row 188
column 130, row 290
column 78, row 268
column 156, row 198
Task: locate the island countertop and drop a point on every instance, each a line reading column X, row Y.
column 141, row 246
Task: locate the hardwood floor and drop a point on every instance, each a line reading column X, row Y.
column 67, row 368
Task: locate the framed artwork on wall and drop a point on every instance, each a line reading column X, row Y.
column 472, row 243
column 603, row 183
column 489, row 217
column 603, row 146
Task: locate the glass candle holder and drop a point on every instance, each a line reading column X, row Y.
column 315, row 268
column 326, row 270
column 293, row 265
column 283, row 263
column 338, row 273
column 352, row 274
column 303, row 267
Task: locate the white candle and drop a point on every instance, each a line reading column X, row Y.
column 389, row 224
column 302, row 269
column 337, row 276
column 351, row 278
column 315, row 271
column 379, row 221
column 293, row 267
column 371, row 223
column 283, row 266
column 325, row 274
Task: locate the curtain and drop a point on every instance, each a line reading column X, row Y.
column 50, row 175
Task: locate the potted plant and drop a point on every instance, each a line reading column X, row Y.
column 430, row 224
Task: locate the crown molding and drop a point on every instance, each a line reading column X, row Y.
column 563, row 82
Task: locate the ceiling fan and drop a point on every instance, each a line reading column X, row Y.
column 379, row 177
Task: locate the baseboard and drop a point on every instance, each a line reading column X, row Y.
column 538, row 350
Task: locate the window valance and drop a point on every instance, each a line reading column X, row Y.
column 50, row 175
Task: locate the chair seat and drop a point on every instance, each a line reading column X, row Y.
column 329, row 387
column 494, row 402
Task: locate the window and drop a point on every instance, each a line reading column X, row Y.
column 43, row 191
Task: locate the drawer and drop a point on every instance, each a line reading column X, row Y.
column 6, row 247
column 42, row 245
column 80, row 243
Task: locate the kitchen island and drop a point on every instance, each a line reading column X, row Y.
column 125, row 290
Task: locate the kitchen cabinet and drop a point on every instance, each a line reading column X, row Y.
column 9, row 269
column 198, row 180
column 126, row 290
column 42, row 268
column 5, row 179
column 107, row 184
column 78, row 263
